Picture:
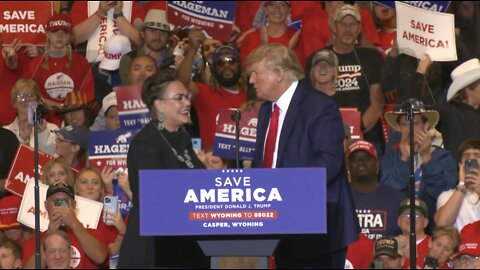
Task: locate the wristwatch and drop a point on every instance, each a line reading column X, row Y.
column 461, row 187
column 116, row 15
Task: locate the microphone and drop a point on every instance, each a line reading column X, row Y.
column 236, row 116
column 35, row 112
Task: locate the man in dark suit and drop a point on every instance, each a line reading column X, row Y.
column 309, row 133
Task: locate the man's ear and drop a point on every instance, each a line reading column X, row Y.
column 280, row 76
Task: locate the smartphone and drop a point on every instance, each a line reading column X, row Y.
column 109, row 203
column 431, row 263
column 61, row 202
column 469, row 165
column 197, row 144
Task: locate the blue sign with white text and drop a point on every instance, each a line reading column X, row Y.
column 215, row 17
column 232, row 201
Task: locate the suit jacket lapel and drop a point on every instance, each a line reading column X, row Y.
column 290, row 119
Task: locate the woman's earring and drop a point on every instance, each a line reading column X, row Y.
column 161, row 119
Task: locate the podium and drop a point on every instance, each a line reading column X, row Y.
column 237, row 214
column 247, row 254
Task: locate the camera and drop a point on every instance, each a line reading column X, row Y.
column 61, row 202
column 431, row 262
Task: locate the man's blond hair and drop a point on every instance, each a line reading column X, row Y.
column 278, row 57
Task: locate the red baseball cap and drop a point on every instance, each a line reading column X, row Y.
column 9, row 211
column 59, row 22
column 364, row 146
column 470, row 244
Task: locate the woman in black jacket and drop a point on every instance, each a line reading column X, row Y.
column 163, row 143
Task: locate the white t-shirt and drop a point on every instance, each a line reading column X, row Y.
column 469, row 211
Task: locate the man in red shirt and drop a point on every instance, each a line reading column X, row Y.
column 421, row 223
column 228, row 88
column 88, row 246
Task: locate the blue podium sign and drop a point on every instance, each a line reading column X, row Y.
column 232, row 202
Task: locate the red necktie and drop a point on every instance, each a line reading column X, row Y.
column 271, row 138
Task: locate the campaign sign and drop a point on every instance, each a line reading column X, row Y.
column 437, row 6
column 232, row 201
column 352, row 118
column 88, row 212
column 224, row 143
column 215, row 17
column 109, row 148
column 23, row 169
column 132, row 111
column 25, row 20
column 421, row 32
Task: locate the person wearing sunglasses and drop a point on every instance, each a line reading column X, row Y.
column 228, row 85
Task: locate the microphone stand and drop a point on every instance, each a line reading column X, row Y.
column 37, row 118
column 408, row 107
column 236, row 116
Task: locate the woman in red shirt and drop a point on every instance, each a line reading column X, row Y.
column 275, row 31
column 60, row 70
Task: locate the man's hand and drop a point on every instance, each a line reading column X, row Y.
column 105, row 6
column 31, row 50
column 424, row 64
column 55, row 221
column 10, row 54
column 196, row 37
column 108, row 173
column 423, row 143
column 67, row 215
column 117, row 6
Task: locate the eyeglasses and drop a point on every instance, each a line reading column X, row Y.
column 226, row 60
column 467, row 259
column 25, row 96
column 407, row 215
column 180, row 97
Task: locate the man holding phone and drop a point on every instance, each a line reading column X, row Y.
column 459, row 206
column 89, row 245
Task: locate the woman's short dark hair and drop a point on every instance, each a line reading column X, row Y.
column 154, row 87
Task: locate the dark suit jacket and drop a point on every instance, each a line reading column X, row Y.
column 149, row 150
column 312, row 136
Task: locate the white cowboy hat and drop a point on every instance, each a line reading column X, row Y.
column 418, row 108
column 463, row 75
